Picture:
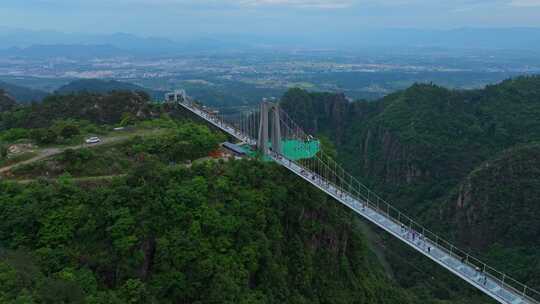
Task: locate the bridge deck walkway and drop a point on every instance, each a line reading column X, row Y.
column 414, row 239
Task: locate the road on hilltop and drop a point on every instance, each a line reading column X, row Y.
column 48, row 152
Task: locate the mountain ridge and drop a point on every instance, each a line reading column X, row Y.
column 102, row 86
column 22, row 94
column 460, row 38
column 419, row 147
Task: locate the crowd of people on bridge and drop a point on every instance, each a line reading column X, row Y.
column 415, row 237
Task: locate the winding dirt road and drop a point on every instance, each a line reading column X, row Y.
column 48, row 152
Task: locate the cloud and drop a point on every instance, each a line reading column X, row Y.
column 525, row 3
column 322, row 4
column 307, row 4
column 183, row 17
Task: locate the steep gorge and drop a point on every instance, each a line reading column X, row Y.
column 453, row 159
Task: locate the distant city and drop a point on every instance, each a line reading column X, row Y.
column 262, row 73
column 242, row 72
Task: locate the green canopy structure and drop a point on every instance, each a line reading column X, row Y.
column 292, row 149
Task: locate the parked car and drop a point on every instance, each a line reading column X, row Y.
column 92, row 140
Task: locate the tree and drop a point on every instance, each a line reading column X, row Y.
column 44, row 136
column 69, row 130
column 134, row 292
column 127, row 119
column 3, row 151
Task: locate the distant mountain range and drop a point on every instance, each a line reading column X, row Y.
column 49, row 43
column 26, row 38
column 28, row 43
column 66, row 50
column 463, row 38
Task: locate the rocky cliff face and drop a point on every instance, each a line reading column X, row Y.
column 434, row 137
column 384, row 156
column 426, row 137
column 464, row 163
column 402, row 141
column 498, row 201
column 318, row 112
column 383, row 140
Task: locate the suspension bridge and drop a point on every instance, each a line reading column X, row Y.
column 271, row 133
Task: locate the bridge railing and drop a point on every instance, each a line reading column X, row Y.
column 333, row 173
column 361, row 193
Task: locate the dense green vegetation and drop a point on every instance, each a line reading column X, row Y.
column 159, row 231
column 214, row 233
column 423, row 146
column 67, row 120
column 60, row 132
column 108, row 108
column 157, row 228
column 178, row 143
column 424, row 134
column 500, row 198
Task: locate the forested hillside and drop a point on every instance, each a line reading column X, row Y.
column 162, row 229
column 215, row 233
column 454, row 159
column 107, row 108
column 22, row 94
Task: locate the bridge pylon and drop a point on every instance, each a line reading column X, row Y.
column 269, row 124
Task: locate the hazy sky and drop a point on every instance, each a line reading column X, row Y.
column 186, row 17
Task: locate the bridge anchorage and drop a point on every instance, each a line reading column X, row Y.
column 301, row 154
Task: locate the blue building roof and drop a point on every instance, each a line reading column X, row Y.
column 235, row 148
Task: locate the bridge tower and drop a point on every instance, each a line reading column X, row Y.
column 269, row 122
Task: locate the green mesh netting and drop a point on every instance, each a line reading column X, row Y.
column 292, row 149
